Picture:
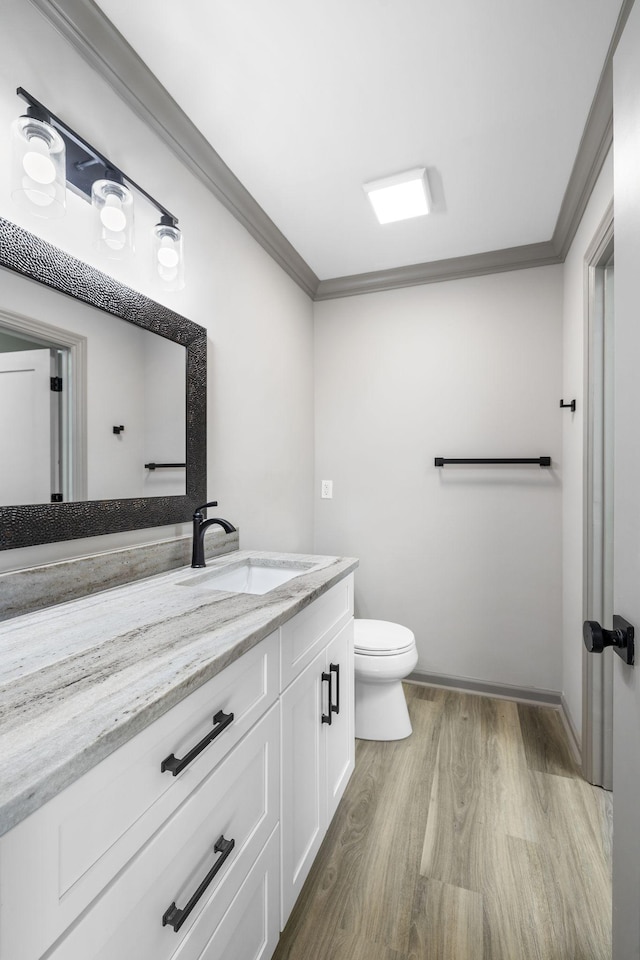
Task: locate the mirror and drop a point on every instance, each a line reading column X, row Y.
column 136, row 373
column 91, row 411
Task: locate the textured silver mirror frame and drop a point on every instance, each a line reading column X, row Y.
column 27, row 525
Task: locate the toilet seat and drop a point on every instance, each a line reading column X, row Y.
column 380, row 638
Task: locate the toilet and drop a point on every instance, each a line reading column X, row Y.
column 385, row 653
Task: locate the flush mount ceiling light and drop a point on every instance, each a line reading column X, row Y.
column 400, row 197
column 49, row 155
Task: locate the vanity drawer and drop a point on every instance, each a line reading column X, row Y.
column 309, row 631
column 250, row 928
column 239, row 802
column 63, row 855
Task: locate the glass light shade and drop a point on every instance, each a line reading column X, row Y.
column 113, row 206
column 168, row 255
column 39, row 168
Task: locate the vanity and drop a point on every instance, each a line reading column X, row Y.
column 173, row 752
column 173, row 748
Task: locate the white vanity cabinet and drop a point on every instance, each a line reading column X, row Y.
column 134, row 862
column 224, row 825
column 61, row 859
column 317, row 730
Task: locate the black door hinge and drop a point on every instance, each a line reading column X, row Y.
column 56, row 384
column 56, row 498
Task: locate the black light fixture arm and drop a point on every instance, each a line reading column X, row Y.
column 82, row 157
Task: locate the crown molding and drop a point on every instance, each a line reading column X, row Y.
column 596, row 142
column 436, row 271
column 108, row 53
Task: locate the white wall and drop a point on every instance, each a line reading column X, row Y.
column 260, row 397
column 468, row 558
column 573, row 444
column 10, row 344
column 165, row 433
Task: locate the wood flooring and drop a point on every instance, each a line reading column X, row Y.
column 474, row 839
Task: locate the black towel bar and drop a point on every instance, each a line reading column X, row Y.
column 541, row 461
column 158, row 466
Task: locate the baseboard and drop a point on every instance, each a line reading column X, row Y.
column 502, row 691
column 572, row 734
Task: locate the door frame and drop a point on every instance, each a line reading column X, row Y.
column 597, row 676
column 75, row 397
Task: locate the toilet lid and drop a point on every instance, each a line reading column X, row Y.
column 380, row 638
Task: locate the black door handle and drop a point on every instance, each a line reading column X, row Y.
column 328, row 678
column 621, row 638
column 335, row 668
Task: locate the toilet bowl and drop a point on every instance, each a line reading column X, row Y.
column 385, row 653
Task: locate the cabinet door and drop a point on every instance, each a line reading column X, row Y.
column 250, row 928
column 303, row 764
column 340, row 735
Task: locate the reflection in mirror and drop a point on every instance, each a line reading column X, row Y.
column 135, row 383
column 122, row 445
column 34, row 423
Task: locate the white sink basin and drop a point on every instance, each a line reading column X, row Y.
column 249, row 576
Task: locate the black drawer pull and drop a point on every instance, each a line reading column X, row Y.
column 174, row 917
column 174, row 765
column 335, row 668
column 328, row 677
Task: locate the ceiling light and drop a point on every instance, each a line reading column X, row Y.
column 401, row 197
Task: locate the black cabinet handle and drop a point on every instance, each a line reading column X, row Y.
column 333, row 707
column 328, row 677
column 175, row 765
column 621, row 638
column 174, row 916
column 335, row 668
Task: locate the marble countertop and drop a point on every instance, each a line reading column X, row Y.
column 80, row 679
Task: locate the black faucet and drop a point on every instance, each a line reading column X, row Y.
column 200, row 526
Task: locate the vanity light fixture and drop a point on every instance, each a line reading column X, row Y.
column 48, row 154
column 400, row 197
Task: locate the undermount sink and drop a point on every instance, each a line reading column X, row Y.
column 250, row 576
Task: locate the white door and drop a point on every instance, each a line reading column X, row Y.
column 340, row 735
column 25, row 427
column 626, row 592
column 304, row 794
